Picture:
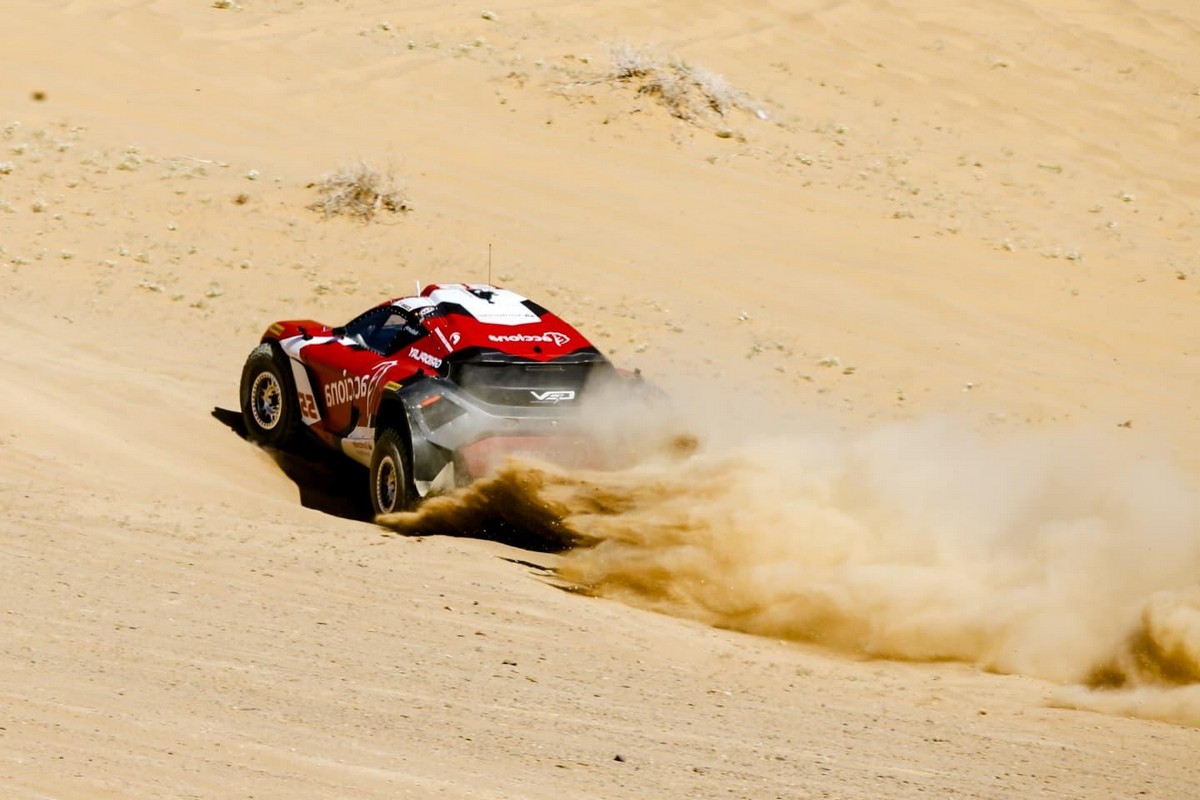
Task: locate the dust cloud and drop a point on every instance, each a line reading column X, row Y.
column 1045, row 554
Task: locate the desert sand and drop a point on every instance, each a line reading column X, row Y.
column 926, row 290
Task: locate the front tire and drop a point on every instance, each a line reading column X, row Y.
column 391, row 489
column 268, row 395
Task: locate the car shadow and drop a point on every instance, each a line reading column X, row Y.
column 327, row 481
column 333, row 484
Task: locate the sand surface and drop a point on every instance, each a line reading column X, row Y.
column 928, row 292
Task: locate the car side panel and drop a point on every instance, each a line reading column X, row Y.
column 339, row 388
column 343, row 375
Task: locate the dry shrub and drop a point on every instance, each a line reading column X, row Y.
column 689, row 92
column 359, row 191
column 630, row 62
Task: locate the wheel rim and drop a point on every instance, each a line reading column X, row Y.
column 266, row 401
column 385, row 484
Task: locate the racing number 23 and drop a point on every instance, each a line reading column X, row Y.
column 308, row 406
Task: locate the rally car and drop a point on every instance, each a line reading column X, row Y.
column 430, row 391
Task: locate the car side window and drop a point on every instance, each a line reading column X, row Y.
column 395, row 332
column 364, row 329
column 400, row 329
column 384, row 330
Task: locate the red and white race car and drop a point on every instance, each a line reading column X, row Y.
column 429, row 392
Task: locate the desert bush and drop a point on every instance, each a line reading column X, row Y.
column 359, row 191
column 716, row 91
column 688, row 92
column 630, row 62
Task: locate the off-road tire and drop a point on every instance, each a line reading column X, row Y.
column 268, row 394
column 391, row 488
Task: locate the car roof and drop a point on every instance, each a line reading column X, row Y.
column 479, row 317
column 483, row 302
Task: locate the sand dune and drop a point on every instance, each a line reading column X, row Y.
column 985, row 215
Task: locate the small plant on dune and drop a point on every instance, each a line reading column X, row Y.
column 689, row 92
column 716, row 91
column 359, row 191
column 671, row 92
column 630, row 62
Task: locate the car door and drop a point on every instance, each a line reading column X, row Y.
column 342, row 370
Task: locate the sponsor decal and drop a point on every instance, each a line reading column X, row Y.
column 424, row 358
column 557, row 338
column 346, row 390
column 552, row 396
column 276, row 329
column 448, row 342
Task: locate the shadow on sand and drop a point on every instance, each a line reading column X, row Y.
column 327, row 481
column 333, row 484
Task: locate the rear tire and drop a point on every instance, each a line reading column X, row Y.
column 268, row 394
column 391, row 489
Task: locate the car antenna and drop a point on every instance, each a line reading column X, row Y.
column 489, row 263
column 418, row 283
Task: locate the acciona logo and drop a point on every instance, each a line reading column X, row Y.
column 557, row 338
